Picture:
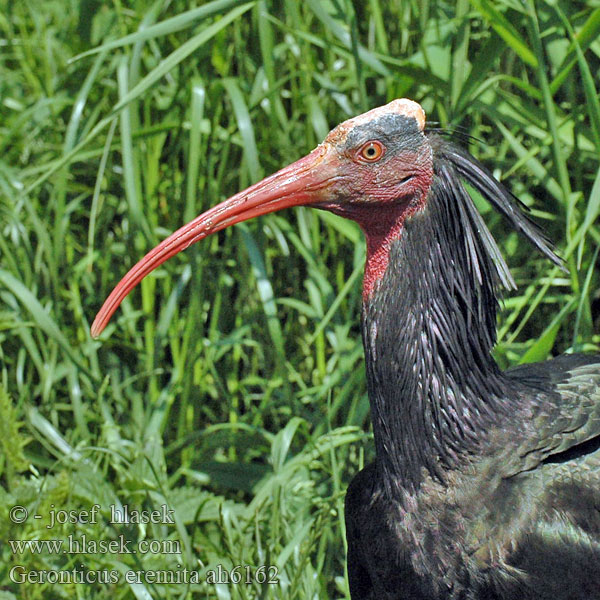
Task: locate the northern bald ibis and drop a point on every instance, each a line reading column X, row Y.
column 486, row 483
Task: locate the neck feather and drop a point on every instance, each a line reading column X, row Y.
column 429, row 327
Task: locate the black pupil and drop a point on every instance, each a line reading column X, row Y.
column 371, row 151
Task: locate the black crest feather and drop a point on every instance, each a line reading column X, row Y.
column 501, row 199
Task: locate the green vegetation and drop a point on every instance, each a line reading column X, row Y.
column 230, row 385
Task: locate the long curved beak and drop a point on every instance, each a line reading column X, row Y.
column 302, row 183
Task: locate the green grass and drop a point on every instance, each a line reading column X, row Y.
column 230, row 386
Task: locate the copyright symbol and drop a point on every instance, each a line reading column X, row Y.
column 18, row 514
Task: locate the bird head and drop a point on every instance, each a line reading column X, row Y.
column 378, row 160
column 376, row 169
column 371, row 168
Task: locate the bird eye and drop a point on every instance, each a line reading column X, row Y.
column 371, row 151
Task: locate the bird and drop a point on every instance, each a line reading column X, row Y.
column 486, row 482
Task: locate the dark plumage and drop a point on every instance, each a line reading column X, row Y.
column 486, row 484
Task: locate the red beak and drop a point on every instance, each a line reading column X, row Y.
column 301, row 183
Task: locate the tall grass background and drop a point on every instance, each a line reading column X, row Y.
column 230, row 386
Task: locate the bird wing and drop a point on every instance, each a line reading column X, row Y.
column 565, row 412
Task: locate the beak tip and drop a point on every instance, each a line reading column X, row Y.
column 96, row 329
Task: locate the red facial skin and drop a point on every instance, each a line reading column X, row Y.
column 367, row 184
column 385, row 198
